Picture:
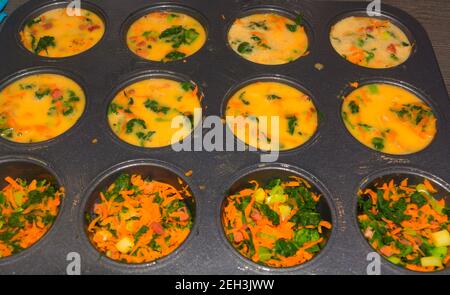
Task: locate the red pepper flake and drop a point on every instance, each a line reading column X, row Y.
column 93, row 28
column 392, row 49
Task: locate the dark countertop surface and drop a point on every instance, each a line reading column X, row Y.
column 433, row 14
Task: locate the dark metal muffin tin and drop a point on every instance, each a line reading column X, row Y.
column 335, row 162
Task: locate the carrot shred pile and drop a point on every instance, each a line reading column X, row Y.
column 27, row 211
column 139, row 221
column 402, row 221
column 277, row 225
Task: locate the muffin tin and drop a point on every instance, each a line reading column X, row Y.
column 81, row 159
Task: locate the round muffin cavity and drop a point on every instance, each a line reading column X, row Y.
column 166, row 36
column 268, row 38
column 278, row 222
column 141, row 114
column 370, row 42
column 405, row 217
column 254, row 110
column 56, row 34
column 139, row 220
column 389, row 119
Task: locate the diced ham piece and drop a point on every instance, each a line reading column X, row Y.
column 141, row 44
column 369, row 29
column 56, row 93
column 255, row 215
column 183, row 214
column 392, row 49
column 47, row 26
column 368, row 233
column 93, row 28
column 157, row 228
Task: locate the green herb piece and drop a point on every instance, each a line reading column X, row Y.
column 269, row 213
column 44, row 43
column 291, row 27
column 273, row 97
column 292, row 124
column 354, row 107
column 378, row 143
column 187, row 86
column 142, row 231
column 285, row 248
column 154, row 106
column 373, row 88
column 41, row 93
column 175, row 55
column 33, row 22
column 258, row 25
column 242, row 98
column 369, row 56
column 131, row 124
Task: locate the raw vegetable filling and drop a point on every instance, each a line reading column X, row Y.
column 39, row 107
column 389, row 119
column 276, row 223
column 268, row 38
column 27, row 211
column 407, row 224
column 166, row 36
column 142, row 113
column 370, row 42
column 57, row 34
column 252, row 109
column 138, row 220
